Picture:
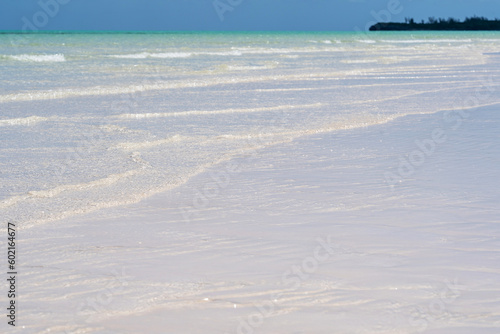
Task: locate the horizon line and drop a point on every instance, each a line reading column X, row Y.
column 21, row 32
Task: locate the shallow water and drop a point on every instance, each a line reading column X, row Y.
column 89, row 121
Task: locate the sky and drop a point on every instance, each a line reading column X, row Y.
column 228, row 15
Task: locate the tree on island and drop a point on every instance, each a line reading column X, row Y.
column 470, row 23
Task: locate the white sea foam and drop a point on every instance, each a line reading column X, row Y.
column 220, row 111
column 266, row 51
column 12, row 200
column 221, row 53
column 359, row 61
column 166, row 55
column 108, row 180
column 423, row 41
column 144, row 55
column 158, row 85
column 132, row 146
column 55, row 58
column 251, row 68
column 49, row 193
column 22, row 121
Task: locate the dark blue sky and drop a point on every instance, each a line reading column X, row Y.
column 228, row 14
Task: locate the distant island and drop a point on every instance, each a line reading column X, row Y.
column 470, row 23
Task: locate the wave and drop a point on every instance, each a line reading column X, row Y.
column 165, row 55
column 220, row 111
column 84, row 186
column 144, row 55
column 158, row 85
column 221, row 53
column 357, row 121
column 258, row 51
column 132, row 146
column 69, row 187
column 326, row 41
column 22, row 121
column 359, row 61
column 85, row 207
column 422, row 41
column 54, row 58
column 248, row 68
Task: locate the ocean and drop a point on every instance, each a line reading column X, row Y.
column 203, row 182
column 98, row 120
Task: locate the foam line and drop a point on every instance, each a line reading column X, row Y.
column 22, row 121
column 221, row 111
column 55, row 58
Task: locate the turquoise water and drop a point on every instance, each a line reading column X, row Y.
column 100, row 58
column 89, row 121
